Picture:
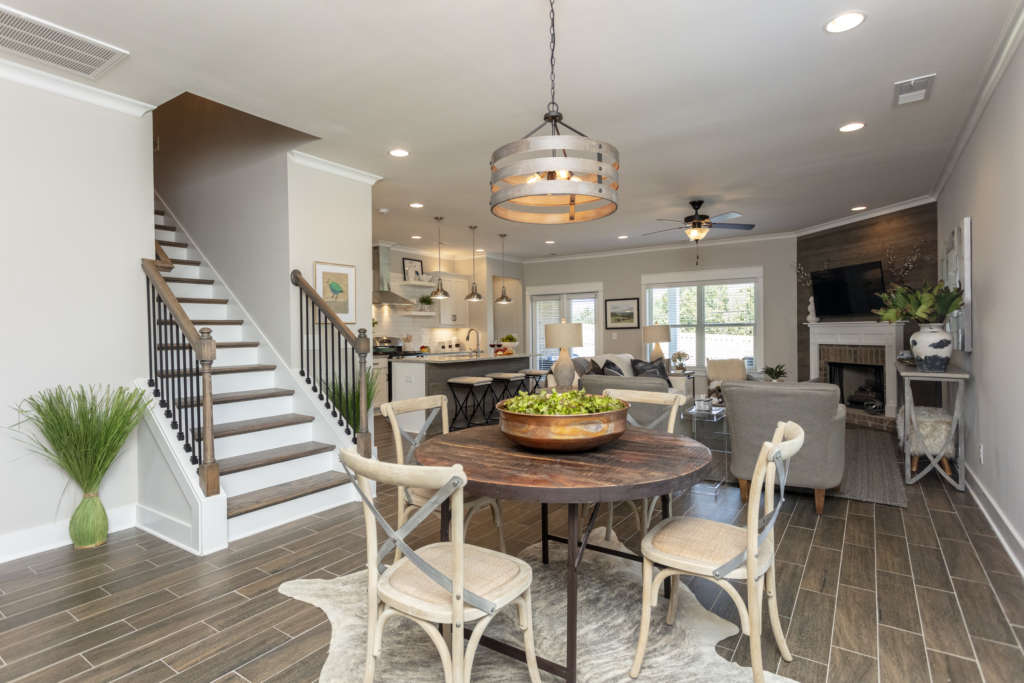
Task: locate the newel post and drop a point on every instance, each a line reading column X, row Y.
column 209, row 472
column 363, row 435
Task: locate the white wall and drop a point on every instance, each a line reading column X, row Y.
column 621, row 274
column 76, row 212
column 986, row 185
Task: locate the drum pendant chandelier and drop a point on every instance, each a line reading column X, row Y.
column 556, row 178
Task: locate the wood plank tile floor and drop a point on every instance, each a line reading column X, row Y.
column 867, row 592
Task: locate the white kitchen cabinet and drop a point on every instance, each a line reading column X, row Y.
column 454, row 311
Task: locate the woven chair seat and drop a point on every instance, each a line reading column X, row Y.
column 493, row 576
column 700, row 546
column 419, row 497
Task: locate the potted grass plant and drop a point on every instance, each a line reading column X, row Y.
column 82, row 431
column 346, row 399
column 775, row 373
column 929, row 306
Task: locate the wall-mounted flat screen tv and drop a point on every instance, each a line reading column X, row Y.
column 850, row 290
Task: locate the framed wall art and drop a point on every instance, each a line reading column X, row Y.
column 336, row 283
column 622, row 314
column 412, row 269
column 956, row 270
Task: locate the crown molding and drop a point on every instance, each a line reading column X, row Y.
column 866, row 215
column 722, row 242
column 58, row 85
column 334, row 167
column 427, row 251
column 1000, row 61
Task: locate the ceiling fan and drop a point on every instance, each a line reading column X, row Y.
column 697, row 225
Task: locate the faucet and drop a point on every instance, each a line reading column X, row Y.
column 471, row 331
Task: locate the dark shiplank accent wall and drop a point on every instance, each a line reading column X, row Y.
column 862, row 242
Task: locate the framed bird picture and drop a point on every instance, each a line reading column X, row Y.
column 336, row 283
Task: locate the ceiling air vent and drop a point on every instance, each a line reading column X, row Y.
column 913, row 90
column 39, row 40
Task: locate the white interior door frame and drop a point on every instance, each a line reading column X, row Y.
column 566, row 289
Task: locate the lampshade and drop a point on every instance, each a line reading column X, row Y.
column 656, row 333
column 563, row 335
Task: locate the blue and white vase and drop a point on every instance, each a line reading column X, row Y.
column 932, row 346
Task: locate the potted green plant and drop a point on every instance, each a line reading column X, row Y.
column 775, row 372
column 679, row 359
column 510, row 341
column 425, row 302
column 929, row 306
column 82, row 431
column 346, row 399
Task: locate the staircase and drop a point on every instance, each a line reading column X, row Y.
column 275, row 447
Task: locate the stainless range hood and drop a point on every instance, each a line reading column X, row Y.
column 382, row 294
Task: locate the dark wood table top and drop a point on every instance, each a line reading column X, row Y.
column 639, row 464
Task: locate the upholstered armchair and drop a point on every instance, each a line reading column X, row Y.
column 728, row 370
column 756, row 407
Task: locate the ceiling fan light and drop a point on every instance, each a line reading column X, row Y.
column 696, row 232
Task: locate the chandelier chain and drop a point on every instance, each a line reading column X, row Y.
column 552, row 105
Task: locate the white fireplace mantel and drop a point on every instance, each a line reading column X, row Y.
column 861, row 333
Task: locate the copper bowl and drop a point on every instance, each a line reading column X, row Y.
column 565, row 433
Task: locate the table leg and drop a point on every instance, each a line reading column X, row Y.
column 446, row 520
column 544, row 532
column 570, row 594
column 666, row 512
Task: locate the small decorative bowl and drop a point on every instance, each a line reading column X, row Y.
column 563, row 433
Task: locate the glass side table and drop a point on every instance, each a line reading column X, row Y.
column 714, row 435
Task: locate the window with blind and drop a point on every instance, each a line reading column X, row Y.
column 707, row 320
column 553, row 308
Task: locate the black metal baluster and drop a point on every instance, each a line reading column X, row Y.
column 321, row 344
column 197, row 447
column 156, row 341
column 186, row 404
column 302, row 359
column 178, row 377
column 335, row 347
column 165, row 333
column 149, row 329
column 331, row 367
column 309, row 343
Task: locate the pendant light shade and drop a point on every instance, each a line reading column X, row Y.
column 504, row 298
column 474, row 295
column 439, row 293
column 556, row 178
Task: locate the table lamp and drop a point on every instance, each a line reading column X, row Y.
column 655, row 334
column 563, row 336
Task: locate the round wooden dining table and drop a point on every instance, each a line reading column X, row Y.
column 640, row 464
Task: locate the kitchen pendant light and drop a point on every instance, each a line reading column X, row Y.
column 474, row 295
column 439, row 292
column 556, row 178
column 504, row 298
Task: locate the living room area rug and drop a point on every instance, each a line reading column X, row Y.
column 609, row 621
column 872, row 472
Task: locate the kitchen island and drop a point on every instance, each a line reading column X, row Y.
column 416, row 376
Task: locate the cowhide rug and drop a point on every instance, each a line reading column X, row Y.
column 609, row 621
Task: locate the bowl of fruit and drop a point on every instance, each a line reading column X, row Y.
column 562, row 421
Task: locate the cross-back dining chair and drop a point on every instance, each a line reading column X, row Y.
column 449, row 584
column 657, row 410
column 723, row 552
column 406, row 443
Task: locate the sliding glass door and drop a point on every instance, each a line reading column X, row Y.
column 553, row 308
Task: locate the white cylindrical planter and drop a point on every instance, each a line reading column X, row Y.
column 932, row 346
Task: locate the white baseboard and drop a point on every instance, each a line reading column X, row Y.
column 55, row 534
column 163, row 526
column 1005, row 532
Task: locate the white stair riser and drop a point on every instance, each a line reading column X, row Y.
column 175, row 252
column 206, row 311
column 181, row 289
column 272, row 475
column 247, row 410
column 242, row 381
column 224, row 332
column 228, row 446
column 246, row 355
column 162, row 220
column 180, row 270
column 276, row 515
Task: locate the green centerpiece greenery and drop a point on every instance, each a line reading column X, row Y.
column 566, row 403
column 82, row 431
column 509, row 338
column 775, row 372
column 346, row 399
column 928, row 304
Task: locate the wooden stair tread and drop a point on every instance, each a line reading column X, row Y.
column 158, row 212
column 220, row 345
column 172, row 321
column 257, row 424
column 168, row 228
column 172, row 243
column 186, row 262
column 220, row 370
column 239, row 396
column 262, row 498
column 271, row 456
column 200, row 300
column 190, row 280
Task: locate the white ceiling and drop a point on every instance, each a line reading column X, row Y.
column 734, row 102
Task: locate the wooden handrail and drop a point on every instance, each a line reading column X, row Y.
column 204, row 352
column 162, row 261
column 318, row 300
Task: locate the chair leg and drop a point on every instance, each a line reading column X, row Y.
column 401, row 520
column 371, row 638
column 754, row 593
column 645, row 620
column 744, row 489
column 442, row 649
column 773, row 614
column 913, row 462
column 819, row 500
column 673, row 601
column 495, row 506
column 611, row 521
column 471, row 645
column 525, row 607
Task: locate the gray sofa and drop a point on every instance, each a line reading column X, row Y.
column 755, row 408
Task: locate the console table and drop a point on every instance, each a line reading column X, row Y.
column 954, row 440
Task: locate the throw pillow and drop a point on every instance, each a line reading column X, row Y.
column 653, row 369
column 582, row 365
column 595, row 369
column 610, row 368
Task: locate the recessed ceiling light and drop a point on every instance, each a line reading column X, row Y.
column 549, row 241
column 417, row 237
column 382, row 210
column 623, row 237
column 399, row 152
column 845, row 22
column 858, row 208
column 479, row 251
column 415, row 205
column 850, row 127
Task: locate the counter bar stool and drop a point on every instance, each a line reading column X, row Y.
column 534, row 379
column 470, row 394
column 506, row 385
